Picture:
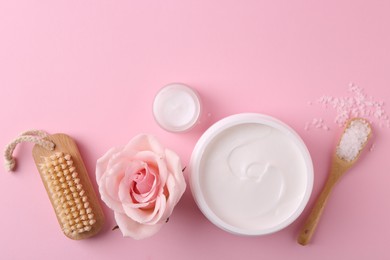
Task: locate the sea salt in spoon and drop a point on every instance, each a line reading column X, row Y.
column 354, row 138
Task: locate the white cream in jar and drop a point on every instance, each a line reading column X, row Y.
column 251, row 174
column 177, row 107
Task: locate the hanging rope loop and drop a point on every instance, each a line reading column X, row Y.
column 32, row 136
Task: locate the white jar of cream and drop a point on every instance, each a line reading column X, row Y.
column 251, row 174
column 177, row 107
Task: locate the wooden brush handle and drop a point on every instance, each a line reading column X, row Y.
column 61, row 202
column 315, row 214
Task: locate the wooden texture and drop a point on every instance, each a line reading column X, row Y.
column 66, row 144
column 337, row 170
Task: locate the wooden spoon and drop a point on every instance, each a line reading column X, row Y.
column 340, row 165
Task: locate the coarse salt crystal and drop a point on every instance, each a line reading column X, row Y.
column 317, row 123
column 353, row 139
column 357, row 105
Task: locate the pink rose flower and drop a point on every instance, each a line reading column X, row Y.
column 142, row 183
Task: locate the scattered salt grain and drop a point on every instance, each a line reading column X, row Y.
column 372, row 148
column 317, row 123
column 353, row 139
column 357, row 104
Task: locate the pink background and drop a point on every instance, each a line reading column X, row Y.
column 91, row 69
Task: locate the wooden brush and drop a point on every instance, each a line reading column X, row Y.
column 69, row 188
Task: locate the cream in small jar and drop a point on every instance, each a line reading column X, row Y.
column 177, row 107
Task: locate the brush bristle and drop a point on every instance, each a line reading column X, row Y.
column 70, row 199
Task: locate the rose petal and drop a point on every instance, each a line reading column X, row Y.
column 114, row 177
column 147, row 182
column 145, row 198
column 159, row 210
column 141, row 214
column 175, row 190
column 131, row 228
column 145, row 142
column 124, row 189
column 121, row 156
column 112, row 204
column 148, row 157
column 174, row 165
column 102, row 162
column 157, row 162
column 175, row 184
column 109, row 186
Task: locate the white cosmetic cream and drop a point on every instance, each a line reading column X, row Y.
column 251, row 174
column 176, row 107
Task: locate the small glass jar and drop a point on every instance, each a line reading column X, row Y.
column 177, row 107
